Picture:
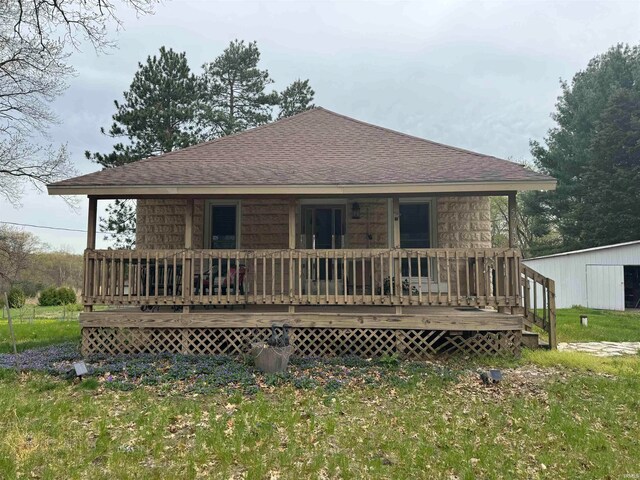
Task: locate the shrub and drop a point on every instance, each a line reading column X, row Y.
column 66, row 295
column 48, row 297
column 53, row 296
column 16, row 297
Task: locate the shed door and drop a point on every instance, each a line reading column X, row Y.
column 605, row 287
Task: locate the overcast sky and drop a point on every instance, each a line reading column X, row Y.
column 478, row 75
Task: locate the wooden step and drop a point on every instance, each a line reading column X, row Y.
column 530, row 340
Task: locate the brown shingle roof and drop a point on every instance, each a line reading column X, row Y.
column 317, row 147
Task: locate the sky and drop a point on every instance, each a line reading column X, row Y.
column 484, row 76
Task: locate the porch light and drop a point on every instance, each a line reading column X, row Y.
column 355, row 210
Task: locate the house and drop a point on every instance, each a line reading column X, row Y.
column 364, row 240
column 606, row 277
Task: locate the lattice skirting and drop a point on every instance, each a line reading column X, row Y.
column 307, row 341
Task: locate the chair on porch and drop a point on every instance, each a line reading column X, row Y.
column 211, row 279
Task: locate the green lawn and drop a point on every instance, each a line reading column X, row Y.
column 540, row 422
column 39, row 333
column 555, row 415
column 603, row 326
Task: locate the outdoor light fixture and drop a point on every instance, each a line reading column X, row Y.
column 584, row 320
column 80, row 368
column 355, row 210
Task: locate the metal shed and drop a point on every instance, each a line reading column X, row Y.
column 605, row 277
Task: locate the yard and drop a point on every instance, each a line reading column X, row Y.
column 555, row 415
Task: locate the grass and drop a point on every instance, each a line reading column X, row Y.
column 39, row 333
column 539, row 423
column 603, row 326
column 556, row 415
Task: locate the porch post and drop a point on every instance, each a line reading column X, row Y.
column 91, row 245
column 396, row 258
column 513, row 220
column 91, row 223
column 292, row 246
column 187, row 281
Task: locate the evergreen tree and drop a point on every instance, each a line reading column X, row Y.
column 296, row 98
column 571, row 150
column 159, row 114
column 236, row 91
column 610, row 212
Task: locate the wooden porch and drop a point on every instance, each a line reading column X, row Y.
column 337, row 302
column 413, row 302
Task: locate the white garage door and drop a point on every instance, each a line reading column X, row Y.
column 605, row 287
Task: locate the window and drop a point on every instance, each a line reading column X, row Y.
column 415, row 232
column 414, row 225
column 223, row 227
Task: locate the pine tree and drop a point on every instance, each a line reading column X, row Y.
column 569, row 151
column 610, row 212
column 159, row 114
column 296, row 98
column 236, row 91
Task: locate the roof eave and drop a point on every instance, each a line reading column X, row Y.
column 133, row 191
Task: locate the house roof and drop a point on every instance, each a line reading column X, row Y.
column 585, row 250
column 316, row 151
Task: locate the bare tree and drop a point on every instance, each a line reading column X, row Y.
column 36, row 39
column 16, row 248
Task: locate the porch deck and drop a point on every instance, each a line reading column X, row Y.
column 417, row 332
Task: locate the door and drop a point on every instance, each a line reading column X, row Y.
column 605, row 287
column 415, row 232
column 323, row 229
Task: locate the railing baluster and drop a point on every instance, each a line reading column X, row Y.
column 448, row 261
column 457, row 273
column 201, row 276
column 477, row 275
column 236, row 277
column 300, row 273
column 254, row 276
column 419, row 278
column 308, row 292
column 409, row 261
column 507, row 279
column 429, row 277
column 392, row 286
column 156, row 274
column 264, row 279
column 372, row 264
column 174, row 279
column 438, row 278
column 467, row 276
column 344, row 276
column 227, row 279
column 282, row 277
column 273, row 277
column 382, row 292
column 326, row 276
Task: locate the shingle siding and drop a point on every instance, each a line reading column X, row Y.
column 461, row 222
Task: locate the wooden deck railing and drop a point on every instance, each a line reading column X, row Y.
column 456, row 277
column 539, row 302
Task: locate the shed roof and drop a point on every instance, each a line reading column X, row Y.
column 585, row 250
column 312, row 149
